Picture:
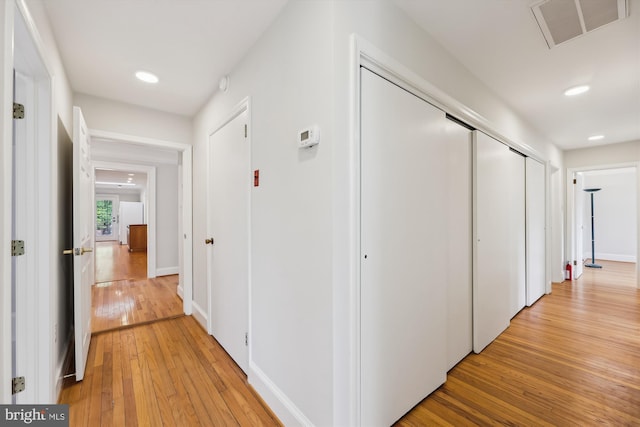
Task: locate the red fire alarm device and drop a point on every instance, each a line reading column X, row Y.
column 256, row 178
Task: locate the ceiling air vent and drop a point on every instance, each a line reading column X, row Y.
column 562, row 20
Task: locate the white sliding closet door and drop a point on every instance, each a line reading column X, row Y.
column 404, row 250
column 536, row 210
column 499, row 238
column 517, row 261
column 459, row 295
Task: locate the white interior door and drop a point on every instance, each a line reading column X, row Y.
column 229, row 187
column 83, row 240
column 107, row 227
column 404, row 256
column 536, row 235
column 499, row 245
column 579, row 198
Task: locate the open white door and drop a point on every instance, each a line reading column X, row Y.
column 83, row 239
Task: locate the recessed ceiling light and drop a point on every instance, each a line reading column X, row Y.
column 147, row 77
column 596, row 137
column 576, row 90
column 131, row 174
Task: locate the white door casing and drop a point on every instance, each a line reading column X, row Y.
column 83, row 240
column 403, row 267
column 536, row 231
column 579, row 197
column 228, row 209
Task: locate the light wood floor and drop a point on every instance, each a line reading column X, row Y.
column 123, row 296
column 573, row 359
column 167, row 373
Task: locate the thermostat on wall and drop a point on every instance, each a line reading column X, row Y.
column 308, row 137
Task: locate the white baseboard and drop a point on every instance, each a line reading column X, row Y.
column 200, row 315
column 280, row 404
column 181, row 292
column 611, row 257
column 167, row 271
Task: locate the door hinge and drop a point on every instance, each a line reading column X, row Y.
column 17, row 385
column 575, row 181
column 246, row 338
column 245, row 131
column 18, row 111
column 575, row 262
column 17, row 247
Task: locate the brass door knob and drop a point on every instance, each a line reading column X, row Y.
column 209, row 241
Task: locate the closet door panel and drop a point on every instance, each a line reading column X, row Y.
column 404, row 250
column 459, row 295
column 498, row 256
column 536, row 241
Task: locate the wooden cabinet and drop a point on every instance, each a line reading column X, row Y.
column 137, row 237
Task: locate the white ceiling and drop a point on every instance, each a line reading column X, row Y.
column 188, row 44
column 191, row 44
column 500, row 42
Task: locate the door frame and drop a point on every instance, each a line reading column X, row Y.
column 241, row 107
column 186, row 154
column 149, row 203
column 571, row 250
column 346, row 246
column 115, row 204
column 28, row 55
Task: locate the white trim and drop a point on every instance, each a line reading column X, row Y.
column 149, row 205
column 187, row 201
column 167, row 271
column 200, row 315
column 276, row 399
column 120, row 137
column 30, row 59
column 571, row 250
column 610, row 257
column 181, row 292
column 7, row 13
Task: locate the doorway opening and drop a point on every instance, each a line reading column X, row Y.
column 129, row 287
column 607, row 232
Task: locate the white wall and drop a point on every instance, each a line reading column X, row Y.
column 288, row 75
column 298, row 74
column 107, row 115
column 611, row 154
column 167, row 219
column 392, row 31
column 615, row 209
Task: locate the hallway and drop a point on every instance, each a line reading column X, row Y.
column 123, row 296
column 571, row 359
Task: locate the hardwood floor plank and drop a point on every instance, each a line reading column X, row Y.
column 573, row 358
column 123, row 295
